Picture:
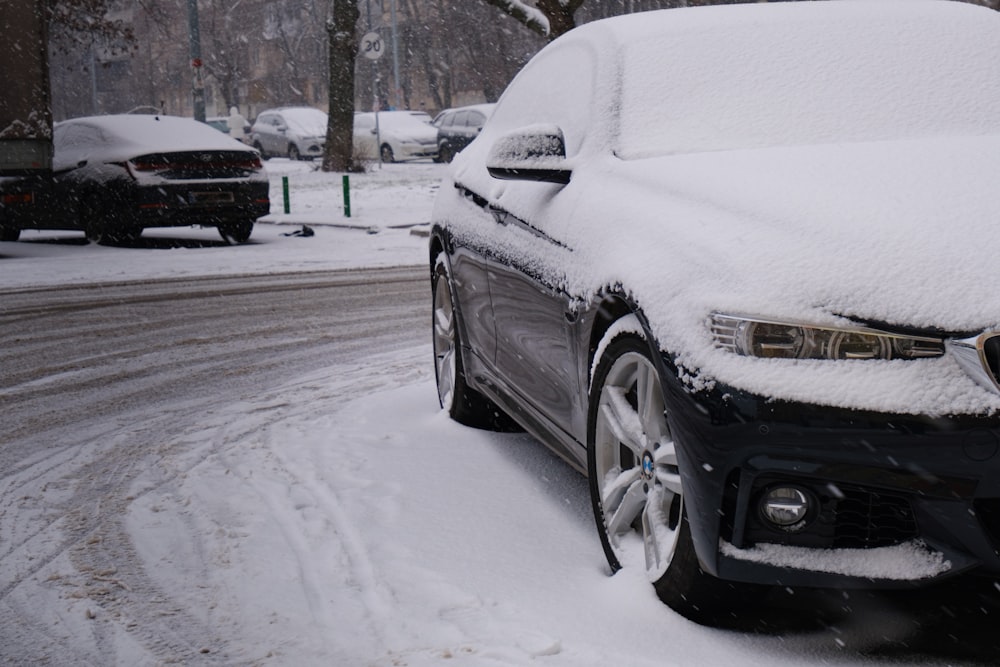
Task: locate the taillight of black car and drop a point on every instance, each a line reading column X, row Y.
column 17, row 198
column 196, row 165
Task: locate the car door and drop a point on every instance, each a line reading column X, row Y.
column 364, row 136
column 535, row 323
column 537, row 330
column 269, row 135
column 470, row 129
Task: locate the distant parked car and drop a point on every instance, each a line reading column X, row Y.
column 221, row 123
column 457, row 127
column 116, row 175
column 294, row 132
column 401, row 135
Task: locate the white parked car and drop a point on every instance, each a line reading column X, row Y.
column 395, row 135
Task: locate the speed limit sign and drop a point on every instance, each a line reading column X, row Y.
column 372, row 46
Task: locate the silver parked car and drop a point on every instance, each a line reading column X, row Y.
column 293, row 132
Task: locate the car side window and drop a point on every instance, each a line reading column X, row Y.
column 544, row 93
column 475, row 119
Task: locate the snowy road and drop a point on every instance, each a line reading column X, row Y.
column 231, row 471
column 117, row 391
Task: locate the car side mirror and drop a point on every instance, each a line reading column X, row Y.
column 534, row 153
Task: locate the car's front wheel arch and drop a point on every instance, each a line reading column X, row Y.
column 642, row 475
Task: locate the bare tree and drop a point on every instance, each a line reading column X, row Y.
column 224, row 48
column 86, row 21
column 295, row 26
column 341, row 27
column 558, row 15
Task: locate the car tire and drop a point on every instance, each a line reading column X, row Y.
column 236, row 232
column 293, row 153
column 92, row 220
column 101, row 226
column 386, row 153
column 260, row 149
column 464, row 404
column 10, row 233
column 445, row 153
column 635, row 484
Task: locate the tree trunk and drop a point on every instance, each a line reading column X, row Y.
column 560, row 15
column 343, row 46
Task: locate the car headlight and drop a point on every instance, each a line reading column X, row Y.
column 752, row 337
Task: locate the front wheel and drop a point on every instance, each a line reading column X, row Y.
column 635, row 483
column 387, row 155
column 445, row 153
column 293, row 152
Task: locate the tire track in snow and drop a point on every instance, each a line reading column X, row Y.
column 74, row 585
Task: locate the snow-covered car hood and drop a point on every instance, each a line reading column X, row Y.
column 892, row 232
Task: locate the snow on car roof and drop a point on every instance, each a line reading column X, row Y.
column 124, row 136
column 306, row 120
column 804, row 73
column 399, row 118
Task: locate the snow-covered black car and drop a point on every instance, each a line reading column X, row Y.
column 457, row 128
column 115, row 175
column 734, row 264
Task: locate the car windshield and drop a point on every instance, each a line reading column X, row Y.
column 307, row 122
column 809, row 80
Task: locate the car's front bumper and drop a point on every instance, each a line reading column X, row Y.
column 415, row 151
column 897, row 499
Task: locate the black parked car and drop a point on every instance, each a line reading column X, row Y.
column 116, row 175
column 458, row 127
column 734, row 263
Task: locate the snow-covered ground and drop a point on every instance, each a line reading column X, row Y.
column 344, row 520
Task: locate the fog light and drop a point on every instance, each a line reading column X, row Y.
column 785, row 507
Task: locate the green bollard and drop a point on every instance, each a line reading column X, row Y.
column 284, row 190
column 347, row 196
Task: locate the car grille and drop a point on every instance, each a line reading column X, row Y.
column 197, row 165
column 849, row 518
column 866, row 519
